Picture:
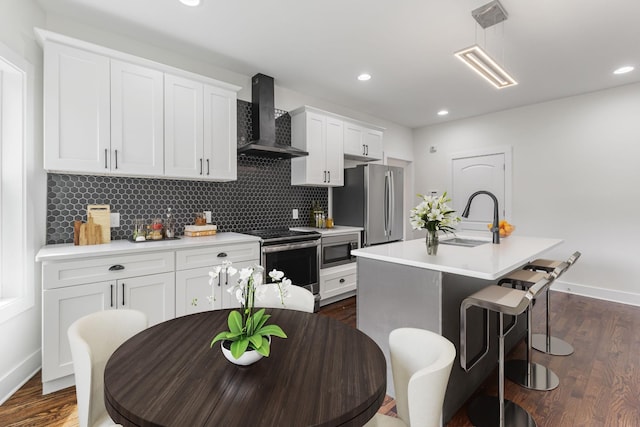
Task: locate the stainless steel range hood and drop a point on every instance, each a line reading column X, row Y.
column 264, row 124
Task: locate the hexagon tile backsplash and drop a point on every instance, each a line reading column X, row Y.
column 262, row 197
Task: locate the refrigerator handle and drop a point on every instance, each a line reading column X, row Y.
column 392, row 202
column 386, row 203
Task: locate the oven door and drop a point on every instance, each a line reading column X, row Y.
column 298, row 262
column 336, row 250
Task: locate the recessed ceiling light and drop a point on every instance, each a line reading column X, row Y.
column 190, row 2
column 624, row 70
column 443, row 112
column 364, row 77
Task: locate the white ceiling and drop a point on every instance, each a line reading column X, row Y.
column 554, row 48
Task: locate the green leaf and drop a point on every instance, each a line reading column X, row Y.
column 262, row 321
column 235, row 321
column 273, row 330
column 265, row 348
column 239, row 347
column 256, row 341
column 220, row 337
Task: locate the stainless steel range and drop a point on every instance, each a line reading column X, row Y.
column 296, row 253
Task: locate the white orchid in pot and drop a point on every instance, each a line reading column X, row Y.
column 434, row 214
column 248, row 329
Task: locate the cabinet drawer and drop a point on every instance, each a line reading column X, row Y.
column 89, row 270
column 214, row 255
column 338, row 281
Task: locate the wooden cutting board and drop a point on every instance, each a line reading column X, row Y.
column 90, row 233
column 101, row 215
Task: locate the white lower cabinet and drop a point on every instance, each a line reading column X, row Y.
column 153, row 295
column 337, row 282
column 192, row 276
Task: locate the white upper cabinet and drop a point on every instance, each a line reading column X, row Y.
column 200, row 130
column 183, row 128
column 362, row 142
column 321, row 135
column 76, row 110
column 137, row 119
column 108, row 112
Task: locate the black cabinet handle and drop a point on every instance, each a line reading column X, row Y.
column 207, row 166
column 116, row 267
column 329, row 176
column 341, row 280
column 111, row 295
column 116, row 159
column 123, row 294
column 363, row 150
column 222, row 255
column 106, row 166
column 200, row 166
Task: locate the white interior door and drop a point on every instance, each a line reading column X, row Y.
column 479, row 172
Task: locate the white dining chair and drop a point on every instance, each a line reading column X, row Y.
column 297, row 298
column 421, row 363
column 93, row 338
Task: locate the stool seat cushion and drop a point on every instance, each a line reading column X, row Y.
column 547, row 265
column 499, row 299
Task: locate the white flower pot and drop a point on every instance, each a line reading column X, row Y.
column 247, row 358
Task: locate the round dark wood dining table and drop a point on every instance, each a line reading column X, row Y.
column 325, row 373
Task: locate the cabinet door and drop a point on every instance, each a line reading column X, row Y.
column 220, row 130
column 76, row 110
column 154, row 295
column 183, row 127
column 193, row 290
column 337, row 281
column 353, row 140
column 62, row 307
column 308, row 132
column 137, row 120
column 373, row 144
column 334, row 153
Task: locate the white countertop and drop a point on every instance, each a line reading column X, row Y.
column 486, row 261
column 118, row 247
column 337, row 229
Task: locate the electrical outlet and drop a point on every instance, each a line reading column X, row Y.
column 295, row 214
column 115, row 219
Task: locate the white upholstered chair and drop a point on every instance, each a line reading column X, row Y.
column 421, row 362
column 298, row 298
column 93, row 338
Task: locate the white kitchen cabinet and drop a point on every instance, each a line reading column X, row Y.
column 153, row 295
column 362, row 142
column 322, row 136
column 337, row 282
column 137, row 120
column 77, row 130
column 192, row 276
column 200, row 130
column 84, row 285
column 107, row 112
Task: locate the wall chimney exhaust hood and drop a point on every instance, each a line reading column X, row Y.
column 264, row 124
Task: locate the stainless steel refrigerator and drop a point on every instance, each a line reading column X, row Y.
column 371, row 198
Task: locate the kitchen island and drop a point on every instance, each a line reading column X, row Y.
column 399, row 285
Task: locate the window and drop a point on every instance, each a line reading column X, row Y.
column 16, row 275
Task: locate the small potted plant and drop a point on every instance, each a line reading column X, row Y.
column 249, row 336
column 433, row 214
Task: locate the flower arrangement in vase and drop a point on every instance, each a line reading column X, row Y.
column 433, row 214
column 248, row 329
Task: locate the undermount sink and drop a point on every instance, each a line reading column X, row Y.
column 460, row 241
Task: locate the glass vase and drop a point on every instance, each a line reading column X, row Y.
column 432, row 242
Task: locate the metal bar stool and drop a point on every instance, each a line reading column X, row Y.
column 526, row 373
column 489, row 410
column 547, row 343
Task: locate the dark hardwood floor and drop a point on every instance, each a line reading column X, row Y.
column 599, row 383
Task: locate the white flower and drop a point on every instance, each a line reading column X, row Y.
column 245, row 273
column 276, row 275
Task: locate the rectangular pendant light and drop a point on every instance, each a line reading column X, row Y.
column 483, row 64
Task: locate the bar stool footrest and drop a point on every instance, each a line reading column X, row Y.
column 484, row 411
column 557, row 346
column 538, row 378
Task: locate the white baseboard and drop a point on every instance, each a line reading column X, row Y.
column 17, row 377
column 598, row 293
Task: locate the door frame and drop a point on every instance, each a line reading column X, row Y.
column 505, row 150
